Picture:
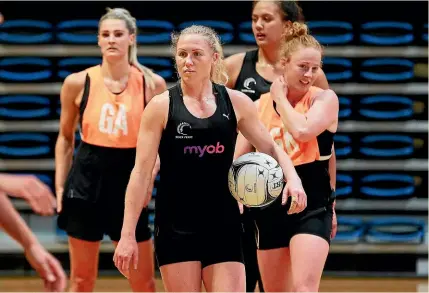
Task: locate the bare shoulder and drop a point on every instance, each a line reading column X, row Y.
column 240, row 101
column 160, row 84
column 235, row 60
column 162, row 98
column 75, row 81
column 157, row 109
column 72, row 89
column 327, row 96
column 239, row 96
column 233, row 66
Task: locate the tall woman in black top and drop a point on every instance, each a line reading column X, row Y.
column 194, row 127
column 252, row 73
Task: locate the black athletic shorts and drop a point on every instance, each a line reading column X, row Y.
column 275, row 228
column 208, row 247
column 94, row 195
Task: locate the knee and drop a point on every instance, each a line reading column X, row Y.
column 143, row 284
column 82, row 283
column 302, row 287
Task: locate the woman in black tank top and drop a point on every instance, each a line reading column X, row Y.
column 194, row 126
column 252, row 73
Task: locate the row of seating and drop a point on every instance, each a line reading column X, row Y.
column 377, row 69
column 332, row 32
column 381, row 230
column 358, row 108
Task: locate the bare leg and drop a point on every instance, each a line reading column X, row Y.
column 225, row 277
column 182, row 277
column 84, row 264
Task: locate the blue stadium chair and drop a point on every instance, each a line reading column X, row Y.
column 41, row 144
column 45, row 34
column 343, row 74
column 23, row 62
column 73, row 62
column 406, row 73
column 350, row 230
column 58, row 108
column 331, row 38
column 162, row 66
column 245, row 32
column 344, row 186
column 224, row 29
column 154, row 38
column 402, row 33
column 76, row 37
column 24, row 107
column 345, row 108
column 392, row 145
column 367, row 103
column 425, row 35
column 343, row 145
column 395, row 230
column 403, row 185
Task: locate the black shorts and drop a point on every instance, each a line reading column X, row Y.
column 94, row 195
column 275, row 228
column 207, row 247
column 90, row 222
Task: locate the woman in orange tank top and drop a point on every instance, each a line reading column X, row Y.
column 302, row 119
column 253, row 72
column 107, row 102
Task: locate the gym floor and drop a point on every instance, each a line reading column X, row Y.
column 328, row 284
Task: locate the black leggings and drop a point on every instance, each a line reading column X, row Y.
column 253, row 275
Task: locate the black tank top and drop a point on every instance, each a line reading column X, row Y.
column 196, row 154
column 249, row 81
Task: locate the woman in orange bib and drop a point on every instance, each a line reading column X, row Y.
column 252, row 73
column 302, row 119
column 107, row 102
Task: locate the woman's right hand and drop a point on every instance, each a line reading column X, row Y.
column 125, row 252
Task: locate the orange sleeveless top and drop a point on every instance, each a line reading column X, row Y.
column 113, row 120
column 299, row 152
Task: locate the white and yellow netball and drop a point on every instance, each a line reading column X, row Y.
column 255, row 179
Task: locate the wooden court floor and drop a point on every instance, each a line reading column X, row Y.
column 328, row 284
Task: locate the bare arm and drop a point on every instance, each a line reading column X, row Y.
column 257, row 135
column 151, row 127
column 233, row 67
column 160, row 87
column 13, row 224
column 30, row 188
column 71, row 91
column 322, row 82
column 47, row 266
column 303, row 127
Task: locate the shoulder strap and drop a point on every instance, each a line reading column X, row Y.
column 85, row 97
column 144, row 91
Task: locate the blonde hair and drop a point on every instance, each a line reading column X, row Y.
column 130, row 22
column 218, row 72
column 298, row 35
